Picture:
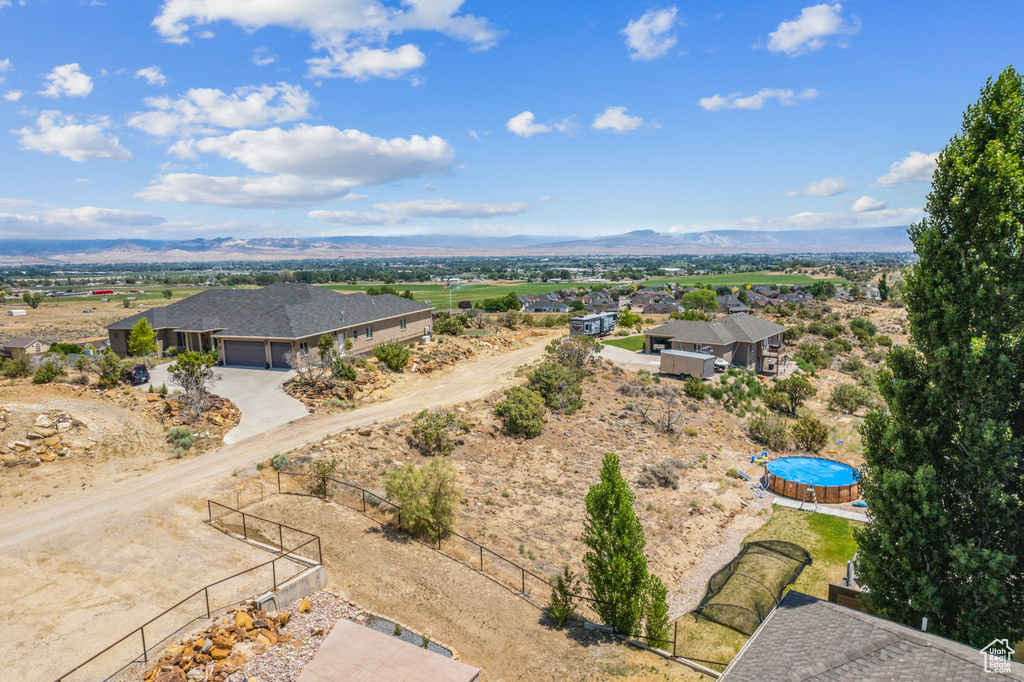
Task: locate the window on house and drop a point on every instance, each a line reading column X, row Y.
column 369, row 332
column 116, row 336
column 180, row 339
column 38, row 348
column 303, row 346
column 401, row 323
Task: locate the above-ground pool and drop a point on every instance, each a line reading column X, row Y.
column 833, row 482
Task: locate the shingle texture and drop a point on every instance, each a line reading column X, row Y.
column 807, row 639
column 729, row 329
column 19, row 342
column 280, row 311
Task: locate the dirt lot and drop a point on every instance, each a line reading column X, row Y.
column 65, row 319
column 491, row 628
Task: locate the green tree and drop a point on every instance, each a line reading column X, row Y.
column 193, row 372
column 628, row 319
column 700, row 299
column 167, row 293
column 109, row 368
column 945, row 471
column 560, row 386
column 434, row 431
column 615, row 562
column 810, row 433
column 564, row 596
column 326, row 349
column 575, row 352
column 789, row 394
column 141, row 339
column 427, row 494
column 883, row 288
column 32, row 300
column 522, row 411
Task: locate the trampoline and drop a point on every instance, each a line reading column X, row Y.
column 831, row 482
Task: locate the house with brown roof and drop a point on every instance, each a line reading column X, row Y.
column 742, row 340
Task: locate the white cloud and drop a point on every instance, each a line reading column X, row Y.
column 262, row 56
column 80, row 181
column 5, row 3
column 826, row 187
column 866, row 203
column 12, row 95
column 341, row 28
column 736, row 100
column 365, row 63
column 59, row 221
column 352, row 218
column 303, row 165
column 650, row 36
column 524, row 125
column 204, row 111
column 56, row 133
column 807, row 220
column 808, row 32
column 153, row 75
column 67, row 80
column 915, row 167
column 617, row 120
column 5, row 66
column 446, row 208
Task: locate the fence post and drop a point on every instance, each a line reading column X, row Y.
column 245, row 533
column 145, row 656
column 278, row 482
column 280, row 537
column 438, row 538
column 481, row 558
column 238, row 499
column 209, row 510
column 273, row 571
column 675, row 638
column 399, row 518
column 524, row 579
column 364, row 501
column 319, row 551
column 206, row 591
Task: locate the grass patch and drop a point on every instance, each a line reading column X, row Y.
column 633, row 343
column 478, row 332
column 830, row 541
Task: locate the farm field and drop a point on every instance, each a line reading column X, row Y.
column 437, row 295
column 739, row 279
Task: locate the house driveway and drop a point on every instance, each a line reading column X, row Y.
column 256, row 392
column 628, row 359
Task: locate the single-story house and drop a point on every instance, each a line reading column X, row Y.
column 805, row 638
column 660, row 308
column 30, row 344
column 741, row 339
column 257, row 327
column 546, row 305
column 731, row 303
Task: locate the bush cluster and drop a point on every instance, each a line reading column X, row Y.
column 560, row 387
column 769, row 430
column 434, row 431
column 394, row 354
column 522, row 411
column 181, row 439
column 664, row 474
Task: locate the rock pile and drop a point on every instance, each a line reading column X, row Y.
column 44, row 441
column 224, row 647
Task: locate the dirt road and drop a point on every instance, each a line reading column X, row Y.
column 84, row 565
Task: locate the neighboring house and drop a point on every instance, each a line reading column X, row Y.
column 546, row 305
column 805, row 638
column 30, row 344
column 732, row 304
column 253, row 327
column 741, row 339
column 660, row 308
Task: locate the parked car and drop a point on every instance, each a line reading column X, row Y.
column 137, row 375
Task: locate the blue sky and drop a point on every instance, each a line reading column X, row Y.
column 209, row 118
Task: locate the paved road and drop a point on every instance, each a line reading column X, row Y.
column 256, row 392
column 178, row 480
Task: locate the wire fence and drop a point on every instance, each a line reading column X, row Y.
column 504, row 571
column 295, row 552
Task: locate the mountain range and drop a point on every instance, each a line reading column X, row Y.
column 637, row 242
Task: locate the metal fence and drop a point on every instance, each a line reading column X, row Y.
column 303, row 551
column 514, row 577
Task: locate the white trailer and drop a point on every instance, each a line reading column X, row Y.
column 16, row 312
column 685, row 364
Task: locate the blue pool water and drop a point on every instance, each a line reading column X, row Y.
column 813, row 471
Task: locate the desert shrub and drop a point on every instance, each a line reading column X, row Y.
column 810, row 433
column 837, row 346
column 875, row 355
column 427, row 494
column 171, row 351
column 575, row 352
column 660, row 475
column 522, row 411
column 883, row 340
column 337, row 403
column 393, row 354
column 793, row 333
column 789, row 394
column 717, row 393
column 181, row 439
column 696, row 388
column 769, row 430
column 80, row 379
column 450, row 325
column 814, row 354
column 343, row 370
column 48, row 371
column 434, row 431
column 110, row 369
column 560, row 387
column 279, row 462
column 867, row 327
column 17, row 365
column 851, row 365
column 849, row 398
column 322, row 470
column 564, row 596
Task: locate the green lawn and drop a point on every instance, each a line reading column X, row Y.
column 830, row 541
column 752, row 278
column 633, row 343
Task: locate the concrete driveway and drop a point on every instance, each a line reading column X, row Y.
column 628, row 359
column 256, row 392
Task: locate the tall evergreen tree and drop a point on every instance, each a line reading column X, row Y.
column 945, row 477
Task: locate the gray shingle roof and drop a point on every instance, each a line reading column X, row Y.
column 807, row 639
column 722, row 332
column 20, row 342
column 285, row 311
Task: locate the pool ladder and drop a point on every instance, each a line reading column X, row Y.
column 813, row 498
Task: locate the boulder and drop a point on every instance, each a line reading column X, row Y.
column 218, row 654
column 305, row 606
column 243, row 620
column 44, row 421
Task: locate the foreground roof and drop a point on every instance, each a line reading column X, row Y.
column 280, row 311
column 806, row 638
column 729, row 329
